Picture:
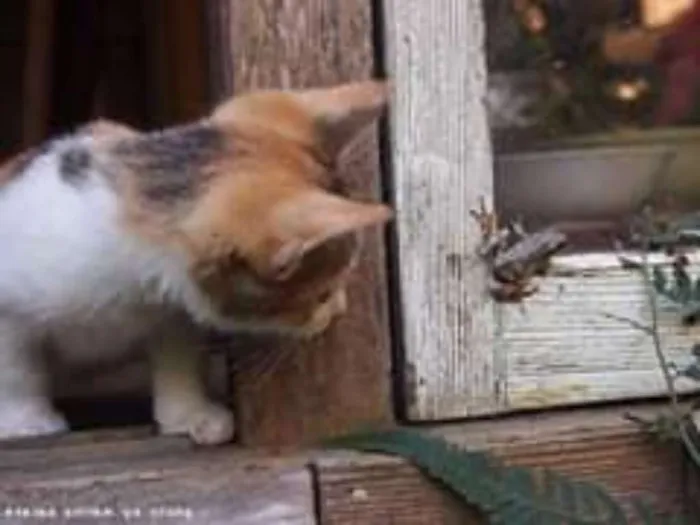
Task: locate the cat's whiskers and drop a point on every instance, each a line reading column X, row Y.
column 266, row 368
column 258, row 364
column 241, row 360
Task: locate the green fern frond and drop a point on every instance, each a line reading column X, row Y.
column 506, row 495
column 679, row 289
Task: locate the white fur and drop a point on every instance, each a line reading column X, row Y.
column 69, row 272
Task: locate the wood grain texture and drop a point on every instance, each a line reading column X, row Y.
column 134, row 470
column 179, row 65
column 376, row 491
column 37, row 71
column 220, row 57
column 593, row 444
column 563, row 348
column 144, row 481
column 294, row 392
column 442, row 167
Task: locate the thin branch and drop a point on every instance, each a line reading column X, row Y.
column 634, row 324
column 665, row 368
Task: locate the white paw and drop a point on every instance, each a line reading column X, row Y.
column 30, row 421
column 209, row 424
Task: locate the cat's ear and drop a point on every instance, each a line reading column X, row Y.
column 306, row 222
column 343, row 111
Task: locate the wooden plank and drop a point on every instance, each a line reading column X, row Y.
column 593, row 444
column 563, row 348
column 442, row 166
column 375, row 491
column 132, row 470
column 37, row 71
column 178, row 62
column 36, row 455
column 296, row 392
column 186, row 59
column 220, row 57
column 144, row 484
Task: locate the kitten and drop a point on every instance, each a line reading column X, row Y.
column 111, row 237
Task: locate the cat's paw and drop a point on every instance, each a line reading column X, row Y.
column 20, row 422
column 209, row 424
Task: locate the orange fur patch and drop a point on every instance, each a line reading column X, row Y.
column 247, row 195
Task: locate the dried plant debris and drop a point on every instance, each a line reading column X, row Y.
column 515, row 256
column 663, row 427
column 658, row 231
column 672, row 282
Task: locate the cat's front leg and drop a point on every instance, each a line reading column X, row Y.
column 25, row 405
column 181, row 404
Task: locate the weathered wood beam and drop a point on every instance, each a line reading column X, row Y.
column 441, row 152
column 301, row 392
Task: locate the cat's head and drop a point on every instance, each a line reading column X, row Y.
column 271, row 235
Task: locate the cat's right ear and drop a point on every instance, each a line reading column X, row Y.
column 341, row 112
column 306, row 222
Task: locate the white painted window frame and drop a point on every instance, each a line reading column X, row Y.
column 464, row 355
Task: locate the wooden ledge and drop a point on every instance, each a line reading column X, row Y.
column 596, row 444
column 132, row 470
column 138, row 478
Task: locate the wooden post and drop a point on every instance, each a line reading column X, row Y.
column 290, row 392
column 37, row 71
column 442, row 166
column 178, row 62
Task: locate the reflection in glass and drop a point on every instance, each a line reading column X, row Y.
column 571, row 67
column 594, row 108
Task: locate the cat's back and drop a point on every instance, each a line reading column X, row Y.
column 58, row 230
column 50, row 190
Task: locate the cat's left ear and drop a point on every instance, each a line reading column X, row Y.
column 313, row 218
column 343, row 111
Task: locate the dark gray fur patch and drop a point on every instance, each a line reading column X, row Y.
column 74, row 164
column 168, row 164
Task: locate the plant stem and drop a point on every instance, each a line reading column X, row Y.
column 666, row 370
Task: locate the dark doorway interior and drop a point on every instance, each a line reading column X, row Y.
column 64, row 62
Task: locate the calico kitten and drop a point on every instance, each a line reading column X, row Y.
column 110, row 237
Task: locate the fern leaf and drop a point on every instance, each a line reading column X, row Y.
column 502, row 493
column 696, row 291
column 506, row 495
column 647, row 516
column 659, row 280
column 566, row 495
column 677, row 519
column 692, row 371
column 604, row 503
column 683, row 285
column 644, row 512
